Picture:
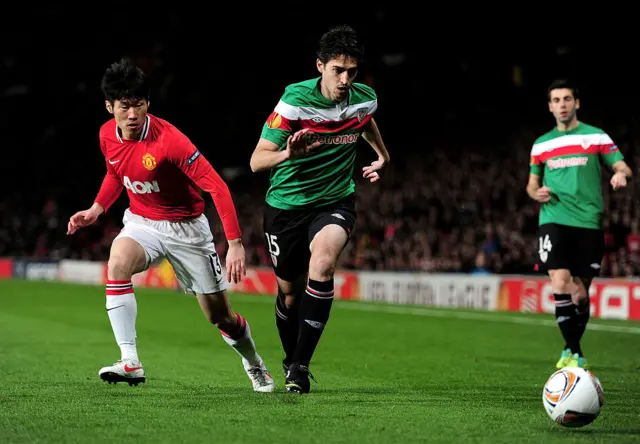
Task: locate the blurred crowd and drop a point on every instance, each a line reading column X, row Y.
column 446, row 210
column 450, row 201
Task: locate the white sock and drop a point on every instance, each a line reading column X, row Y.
column 242, row 342
column 122, row 310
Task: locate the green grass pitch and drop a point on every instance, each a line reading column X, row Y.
column 385, row 374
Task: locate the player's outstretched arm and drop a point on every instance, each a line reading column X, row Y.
column 198, row 169
column 268, row 155
column 212, row 183
column 84, row 218
column 372, row 135
column 109, row 191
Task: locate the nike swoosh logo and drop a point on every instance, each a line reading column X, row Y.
column 130, row 369
column 113, row 162
column 113, row 308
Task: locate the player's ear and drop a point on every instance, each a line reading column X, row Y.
column 108, row 106
column 319, row 65
column 577, row 103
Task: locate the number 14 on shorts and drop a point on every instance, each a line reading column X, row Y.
column 544, row 247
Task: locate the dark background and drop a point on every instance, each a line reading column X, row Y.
column 449, row 84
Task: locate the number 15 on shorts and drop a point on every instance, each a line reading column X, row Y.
column 544, row 247
column 274, row 249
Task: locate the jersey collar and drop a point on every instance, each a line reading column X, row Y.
column 317, row 91
column 143, row 133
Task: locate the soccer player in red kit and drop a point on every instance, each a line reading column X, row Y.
column 162, row 172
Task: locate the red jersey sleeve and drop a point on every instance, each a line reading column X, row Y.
column 192, row 163
column 111, row 186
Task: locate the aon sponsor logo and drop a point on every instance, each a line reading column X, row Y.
column 567, row 162
column 138, row 187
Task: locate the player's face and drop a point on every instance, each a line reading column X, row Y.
column 130, row 116
column 563, row 105
column 337, row 77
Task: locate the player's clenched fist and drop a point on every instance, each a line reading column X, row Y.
column 543, row 194
column 619, row 180
column 84, row 218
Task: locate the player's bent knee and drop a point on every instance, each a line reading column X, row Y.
column 288, row 290
column 121, row 268
column 127, row 258
column 322, row 265
column 561, row 282
column 287, row 297
column 285, row 287
column 580, row 293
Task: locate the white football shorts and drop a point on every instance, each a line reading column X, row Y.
column 187, row 245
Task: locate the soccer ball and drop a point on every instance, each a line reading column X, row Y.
column 573, row 397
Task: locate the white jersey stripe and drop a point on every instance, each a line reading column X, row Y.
column 334, row 114
column 584, row 140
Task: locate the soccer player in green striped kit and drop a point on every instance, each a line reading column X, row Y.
column 566, row 179
column 309, row 145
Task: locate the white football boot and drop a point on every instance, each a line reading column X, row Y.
column 260, row 378
column 127, row 371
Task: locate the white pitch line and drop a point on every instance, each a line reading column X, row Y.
column 448, row 313
column 480, row 316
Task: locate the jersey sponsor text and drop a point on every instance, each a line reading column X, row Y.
column 553, row 164
column 137, row 187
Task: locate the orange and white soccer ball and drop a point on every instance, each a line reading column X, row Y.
column 573, row 397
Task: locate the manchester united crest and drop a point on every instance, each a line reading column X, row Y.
column 149, row 161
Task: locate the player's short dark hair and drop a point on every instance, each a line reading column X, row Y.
column 563, row 84
column 341, row 40
column 124, row 80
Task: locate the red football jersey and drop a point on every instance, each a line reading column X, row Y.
column 162, row 172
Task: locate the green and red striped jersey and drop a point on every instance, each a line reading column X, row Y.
column 325, row 175
column 569, row 163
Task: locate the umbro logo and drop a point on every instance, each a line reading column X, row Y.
column 317, row 119
column 339, row 216
column 314, row 324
